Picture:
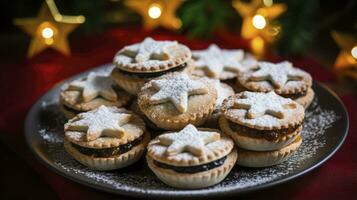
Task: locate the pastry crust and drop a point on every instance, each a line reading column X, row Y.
column 134, row 129
column 238, row 87
column 68, row 113
column 72, row 99
column 196, row 180
column 249, row 158
column 291, row 87
column 228, row 69
column 133, row 84
column 292, row 117
column 135, row 108
column 225, row 75
column 166, row 116
column 225, row 91
column 213, row 151
column 307, row 99
column 179, row 54
column 257, row 144
column 109, row 163
column 130, row 84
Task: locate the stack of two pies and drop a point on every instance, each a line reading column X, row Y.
column 139, row 63
column 265, row 127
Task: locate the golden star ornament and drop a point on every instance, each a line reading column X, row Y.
column 157, row 13
column 257, row 27
column 49, row 29
column 346, row 61
column 348, row 44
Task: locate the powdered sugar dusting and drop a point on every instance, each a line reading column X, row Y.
column 266, row 109
column 278, row 74
column 259, row 104
column 50, row 137
column 148, row 50
column 93, row 86
column 98, row 71
column 189, row 139
column 176, row 89
column 139, row 179
column 216, row 60
column 98, row 122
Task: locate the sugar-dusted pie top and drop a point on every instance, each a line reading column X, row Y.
column 216, row 61
column 151, row 56
column 92, row 91
column 282, row 77
column 188, row 139
column 104, row 127
column 198, row 105
column 263, row 111
column 94, row 85
column 190, row 146
column 176, row 89
column 73, row 99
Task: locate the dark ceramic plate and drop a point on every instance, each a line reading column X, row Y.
column 325, row 129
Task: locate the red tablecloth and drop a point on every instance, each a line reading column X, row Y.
column 24, row 81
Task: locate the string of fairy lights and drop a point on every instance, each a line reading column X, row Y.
column 50, row 29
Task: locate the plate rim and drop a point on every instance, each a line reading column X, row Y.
column 95, row 185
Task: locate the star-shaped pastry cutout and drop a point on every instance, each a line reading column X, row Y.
column 149, row 49
column 100, row 122
column 177, row 89
column 258, row 104
column 215, row 60
column 278, row 74
column 95, row 85
column 188, row 139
